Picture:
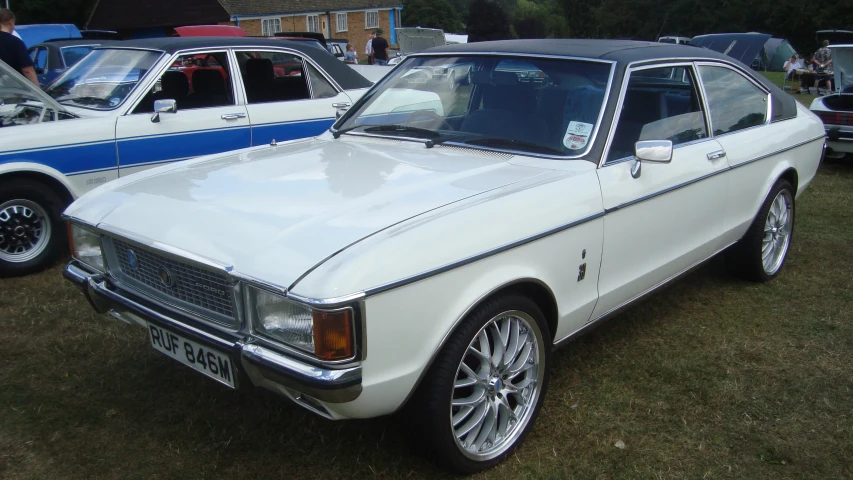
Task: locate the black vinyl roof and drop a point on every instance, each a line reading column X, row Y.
column 346, row 77
column 616, row 50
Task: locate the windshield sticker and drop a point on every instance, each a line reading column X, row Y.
column 577, row 135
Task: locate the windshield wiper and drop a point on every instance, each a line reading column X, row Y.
column 432, row 137
column 394, row 128
column 509, row 143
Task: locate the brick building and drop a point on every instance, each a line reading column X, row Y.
column 353, row 20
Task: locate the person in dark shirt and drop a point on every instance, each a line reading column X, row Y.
column 380, row 48
column 13, row 51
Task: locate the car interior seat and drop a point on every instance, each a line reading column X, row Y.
column 508, row 109
column 208, row 89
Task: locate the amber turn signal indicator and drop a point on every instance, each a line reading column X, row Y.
column 333, row 339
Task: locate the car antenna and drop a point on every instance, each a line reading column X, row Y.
column 273, row 143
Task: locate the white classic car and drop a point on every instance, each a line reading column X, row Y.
column 127, row 107
column 431, row 249
column 836, row 110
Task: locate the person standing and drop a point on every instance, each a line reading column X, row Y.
column 380, row 48
column 368, row 49
column 349, row 56
column 823, row 60
column 13, row 51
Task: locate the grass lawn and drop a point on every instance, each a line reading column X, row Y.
column 779, row 78
column 711, row 378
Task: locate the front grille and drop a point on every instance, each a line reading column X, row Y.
column 209, row 291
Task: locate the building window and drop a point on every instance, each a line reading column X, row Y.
column 341, row 20
column 270, row 26
column 371, row 19
column 313, row 23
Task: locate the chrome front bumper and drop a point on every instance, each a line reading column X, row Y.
column 265, row 367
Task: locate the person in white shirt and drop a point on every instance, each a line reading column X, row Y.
column 791, row 65
column 368, row 49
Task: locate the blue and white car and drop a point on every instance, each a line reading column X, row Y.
column 125, row 108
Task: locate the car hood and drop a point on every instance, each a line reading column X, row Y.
column 12, row 82
column 842, row 65
column 273, row 213
column 413, row 40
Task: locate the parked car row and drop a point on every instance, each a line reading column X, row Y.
column 427, row 252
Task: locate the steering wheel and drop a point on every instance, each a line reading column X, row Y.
column 439, row 122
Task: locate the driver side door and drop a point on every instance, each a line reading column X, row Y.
column 209, row 117
column 669, row 217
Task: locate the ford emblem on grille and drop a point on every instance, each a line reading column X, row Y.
column 165, row 276
column 132, row 261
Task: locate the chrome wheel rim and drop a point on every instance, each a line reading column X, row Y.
column 24, row 230
column 777, row 232
column 497, row 386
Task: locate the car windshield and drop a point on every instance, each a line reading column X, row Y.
column 103, row 79
column 533, row 105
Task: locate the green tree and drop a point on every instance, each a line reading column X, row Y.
column 432, row 14
column 487, row 21
column 52, row 11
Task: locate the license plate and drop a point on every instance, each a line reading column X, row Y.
column 208, row 361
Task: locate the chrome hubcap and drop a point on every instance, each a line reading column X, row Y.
column 497, row 386
column 24, row 230
column 777, row 232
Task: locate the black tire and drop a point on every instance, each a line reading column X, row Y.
column 745, row 259
column 430, row 411
column 25, row 192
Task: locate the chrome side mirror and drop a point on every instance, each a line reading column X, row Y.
column 341, row 108
column 651, row 151
column 163, row 106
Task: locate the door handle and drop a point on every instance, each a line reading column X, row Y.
column 716, row 155
column 233, row 116
column 341, row 105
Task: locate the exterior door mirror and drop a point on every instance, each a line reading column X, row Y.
column 651, row 151
column 163, row 106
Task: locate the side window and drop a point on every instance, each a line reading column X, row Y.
column 319, row 85
column 198, row 80
column 273, row 77
column 39, row 58
column 735, row 102
column 659, row 104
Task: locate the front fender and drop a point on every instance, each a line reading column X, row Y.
column 30, row 167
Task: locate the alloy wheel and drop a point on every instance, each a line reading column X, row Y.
column 497, row 385
column 24, row 230
column 777, row 232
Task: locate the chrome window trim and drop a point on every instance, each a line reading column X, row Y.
column 674, row 147
column 289, row 51
column 608, row 87
column 510, row 54
column 704, row 98
column 629, row 69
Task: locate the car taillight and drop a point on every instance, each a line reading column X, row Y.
column 836, row 118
